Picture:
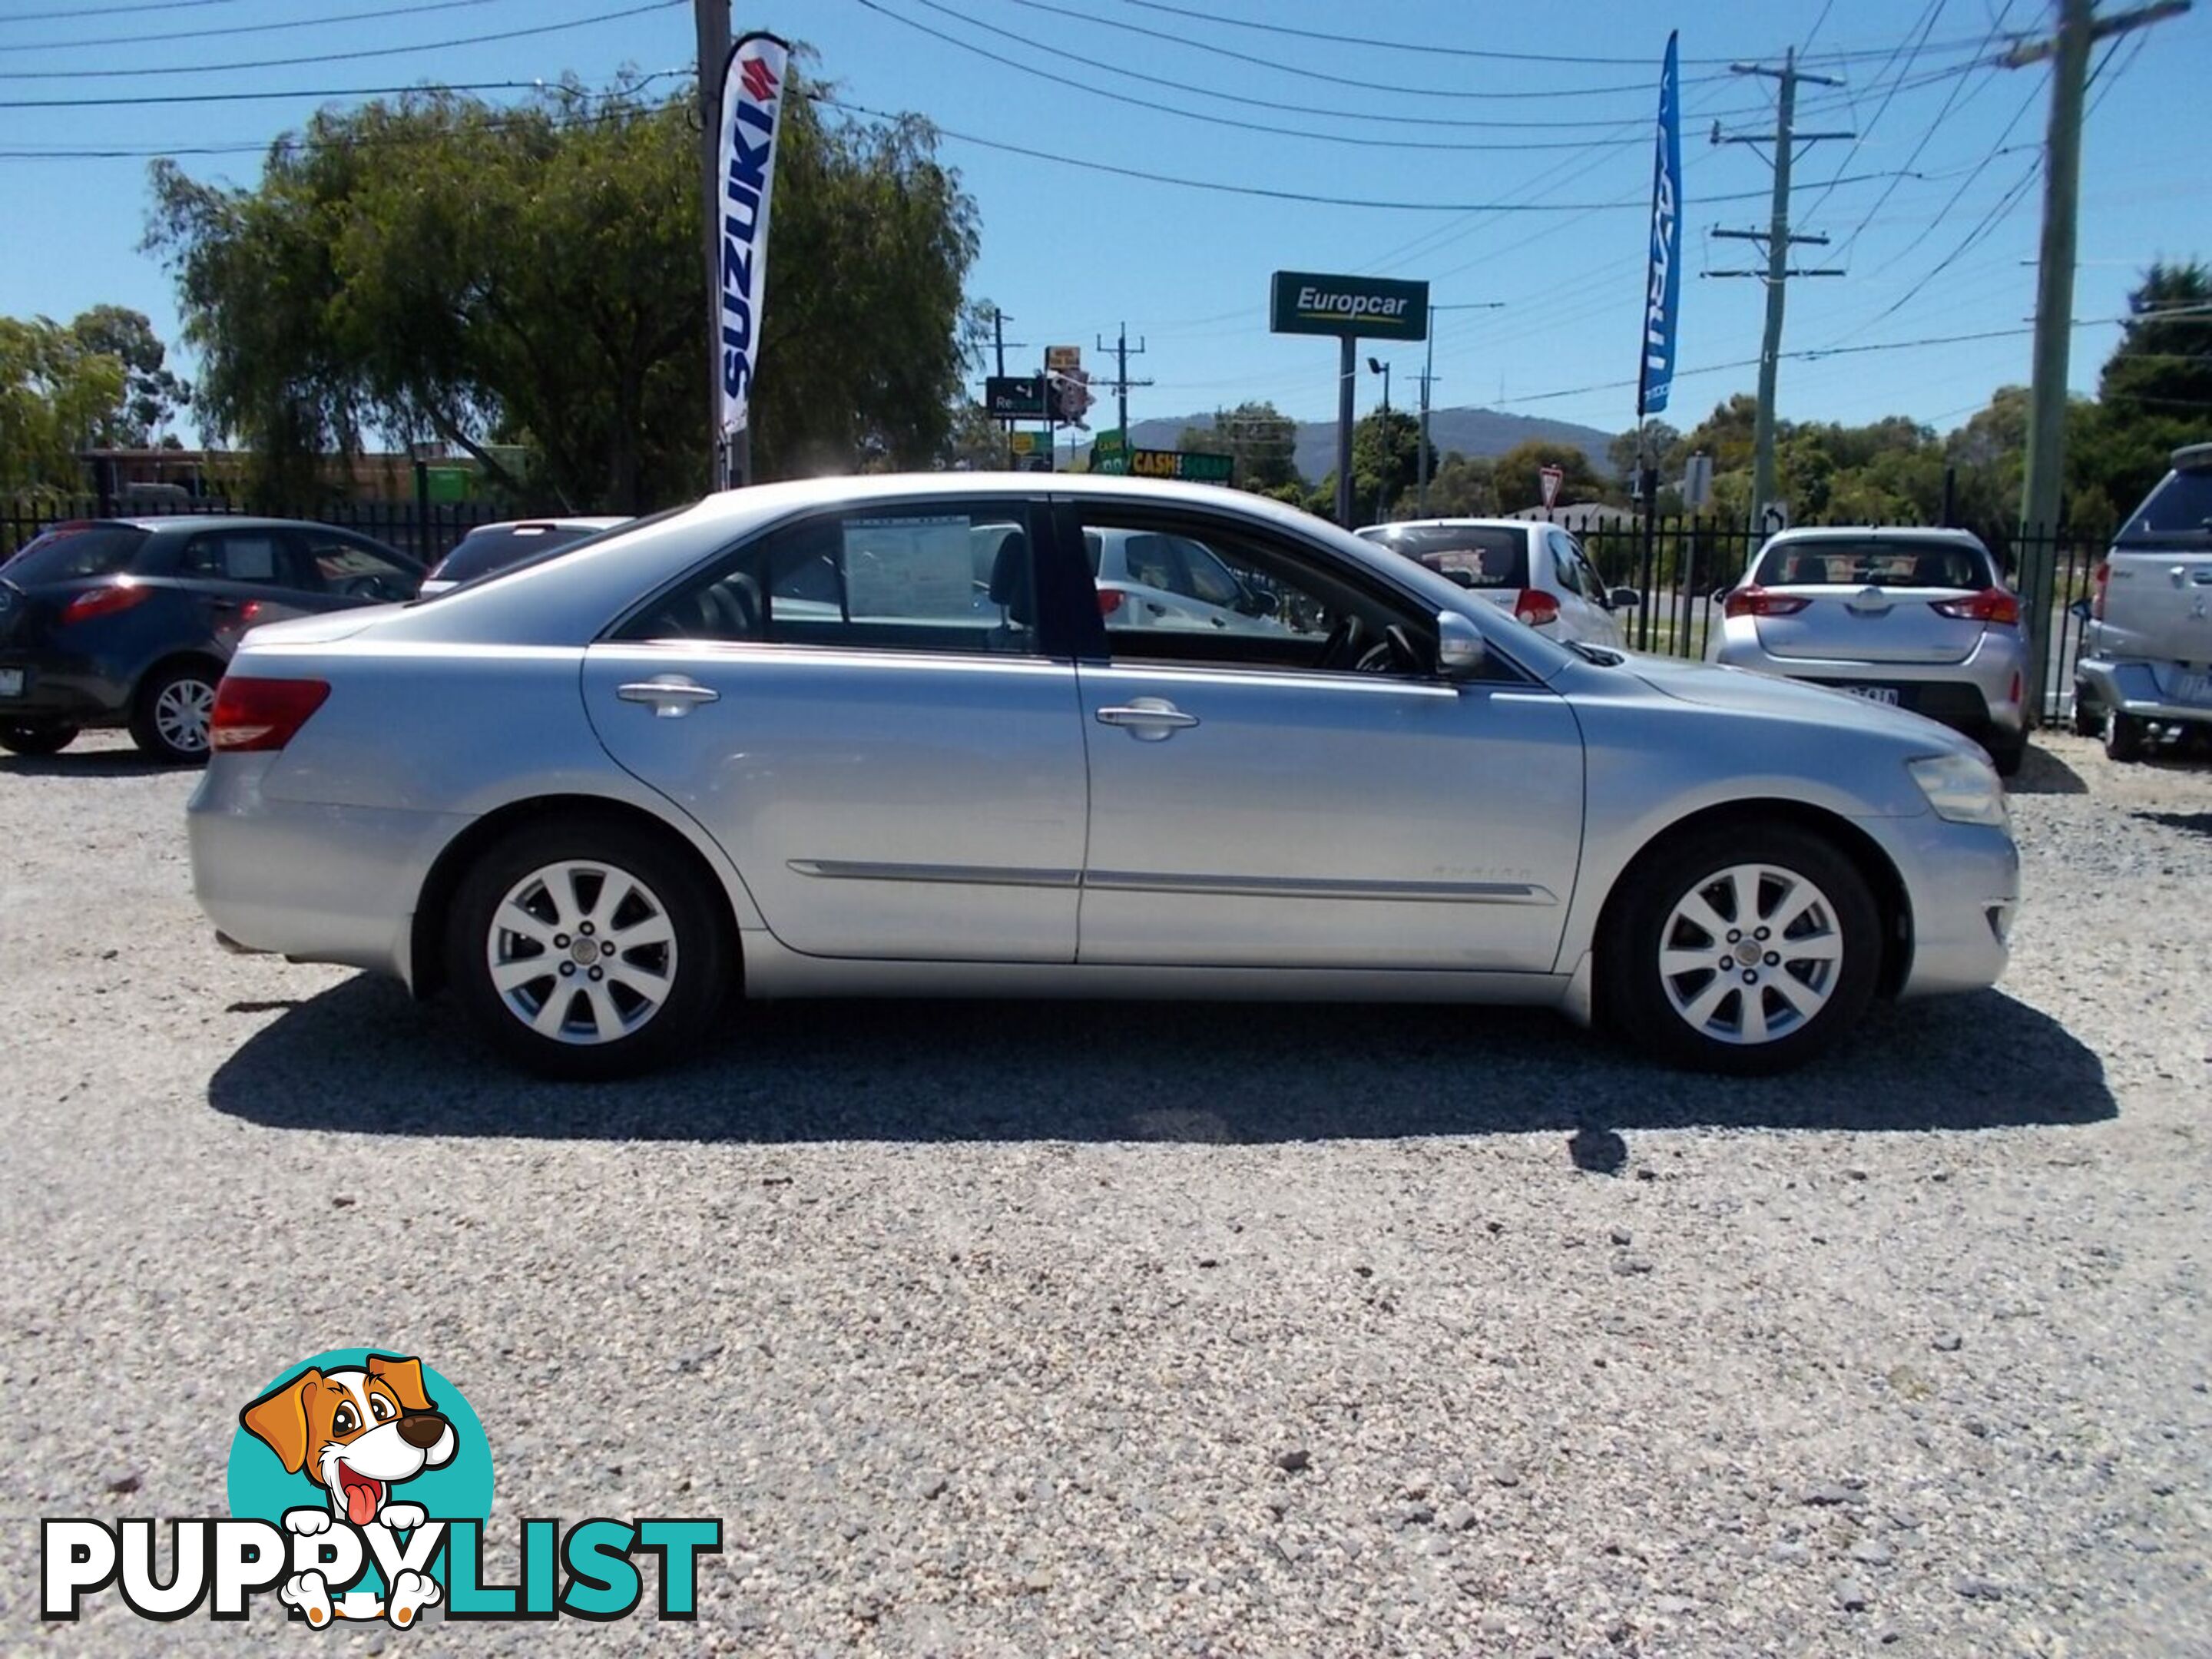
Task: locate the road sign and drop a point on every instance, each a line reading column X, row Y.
column 1188, row 465
column 1022, row 443
column 1014, row 397
column 1774, row 518
column 1061, row 360
column 1551, row 477
column 1698, row 483
column 1367, row 307
column 1112, row 445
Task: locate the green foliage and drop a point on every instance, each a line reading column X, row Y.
column 56, row 395
column 1519, row 483
column 1385, row 461
column 435, row 267
column 1667, row 447
column 1464, row 487
column 1263, row 439
column 152, row 396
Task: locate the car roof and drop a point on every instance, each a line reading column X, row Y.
column 1886, row 533
column 1453, row 524
column 177, row 523
column 570, row 521
column 2194, row 457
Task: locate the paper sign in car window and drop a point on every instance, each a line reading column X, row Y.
column 909, row 567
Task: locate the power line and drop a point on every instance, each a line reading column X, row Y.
column 146, row 100
column 1301, row 108
column 1930, row 17
column 112, row 11
column 339, row 56
column 379, row 14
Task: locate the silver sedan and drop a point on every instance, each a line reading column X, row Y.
column 796, row 740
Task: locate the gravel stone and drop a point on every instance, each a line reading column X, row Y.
column 1949, row 1342
column 934, row 1266
column 1851, row 1595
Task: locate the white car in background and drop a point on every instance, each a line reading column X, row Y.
column 1153, row 578
column 1534, row 570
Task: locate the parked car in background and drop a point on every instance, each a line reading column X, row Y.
column 1536, row 571
column 592, row 796
column 2146, row 658
column 491, row 547
column 128, row 621
column 1915, row 619
column 1149, row 579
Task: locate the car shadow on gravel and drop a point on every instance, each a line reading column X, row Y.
column 2042, row 773
column 361, row 1058
column 92, row 763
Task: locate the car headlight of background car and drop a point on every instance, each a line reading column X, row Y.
column 1961, row 788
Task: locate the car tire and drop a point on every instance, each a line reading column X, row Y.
column 2088, row 722
column 1812, row 979
column 169, row 718
column 2007, row 758
column 35, row 737
column 2123, row 737
column 585, row 886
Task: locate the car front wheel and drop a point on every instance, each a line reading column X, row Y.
column 587, row 950
column 35, row 737
column 1747, row 950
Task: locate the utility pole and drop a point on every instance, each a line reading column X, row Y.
column 999, row 344
column 712, row 19
column 1429, row 374
column 2079, row 28
column 1122, row 352
column 1778, row 242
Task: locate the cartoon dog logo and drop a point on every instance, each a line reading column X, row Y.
column 356, row 1432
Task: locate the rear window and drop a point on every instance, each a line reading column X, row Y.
column 70, row 552
column 1873, row 564
column 2182, row 506
column 1472, row 556
column 483, row 552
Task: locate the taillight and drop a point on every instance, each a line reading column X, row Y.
column 1758, row 602
column 105, row 601
column 254, row 716
column 1535, row 607
column 1109, row 601
column 1992, row 604
column 2102, row 576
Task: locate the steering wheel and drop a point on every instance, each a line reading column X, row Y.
column 1394, row 655
column 362, row 587
column 1347, row 645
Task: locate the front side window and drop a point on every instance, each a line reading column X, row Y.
column 959, row 579
column 357, row 570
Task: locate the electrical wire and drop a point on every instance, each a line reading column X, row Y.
column 1930, row 17
column 341, row 56
column 144, row 101
column 74, row 12
column 377, row 14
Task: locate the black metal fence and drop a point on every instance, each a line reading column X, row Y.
column 426, row 532
column 1694, row 560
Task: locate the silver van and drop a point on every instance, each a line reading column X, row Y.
column 2147, row 651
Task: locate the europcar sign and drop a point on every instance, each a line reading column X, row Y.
column 1364, row 307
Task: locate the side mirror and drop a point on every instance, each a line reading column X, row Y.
column 1625, row 598
column 1460, row 648
column 2079, row 611
column 1720, row 595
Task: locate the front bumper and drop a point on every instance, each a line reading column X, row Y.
column 1962, row 881
column 2136, row 688
column 310, row 882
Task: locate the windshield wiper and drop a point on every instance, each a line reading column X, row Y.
column 1596, row 654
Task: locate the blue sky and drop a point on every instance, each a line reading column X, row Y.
column 1070, row 253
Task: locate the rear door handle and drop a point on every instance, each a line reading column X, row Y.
column 671, row 697
column 1150, row 720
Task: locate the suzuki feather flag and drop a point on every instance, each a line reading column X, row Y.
column 1663, row 292
column 753, row 101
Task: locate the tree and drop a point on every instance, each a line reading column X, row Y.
column 152, row 396
column 54, row 393
column 437, row 267
column 2154, row 394
column 1385, row 462
column 1667, row 447
column 1464, row 487
column 1519, row 483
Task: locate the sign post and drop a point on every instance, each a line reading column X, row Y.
column 1351, row 308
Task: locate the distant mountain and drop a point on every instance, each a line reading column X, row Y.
column 1470, row 431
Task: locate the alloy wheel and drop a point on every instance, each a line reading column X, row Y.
column 181, row 714
column 1750, row 955
column 582, row 951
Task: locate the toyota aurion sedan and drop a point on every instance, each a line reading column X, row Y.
column 590, row 796
column 1917, row 619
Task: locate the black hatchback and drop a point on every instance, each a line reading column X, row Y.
column 128, row 621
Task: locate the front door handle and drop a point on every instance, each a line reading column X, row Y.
column 1149, row 720
column 671, row 697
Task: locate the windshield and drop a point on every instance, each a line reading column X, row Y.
column 1474, row 556
column 71, row 552
column 1886, row 563
column 2182, row 506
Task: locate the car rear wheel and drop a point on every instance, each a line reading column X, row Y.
column 2088, row 721
column 586, row 950
column 2123, row 736
column 35, row 737
column 170, row 719
column 1747, row 950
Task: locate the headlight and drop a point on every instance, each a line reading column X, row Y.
column 1961, row 788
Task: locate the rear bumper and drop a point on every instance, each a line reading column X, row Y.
column 63, row 688
column 2133, row 688
column 1983, row 696
column 310, row 882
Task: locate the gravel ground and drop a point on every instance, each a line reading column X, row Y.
column 1045, row 1330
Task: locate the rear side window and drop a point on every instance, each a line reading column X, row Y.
column 1873, row 564
column 483, row 552
column 2182, row 506
column 1474, row 556
column 240, row 555
column 70, row 553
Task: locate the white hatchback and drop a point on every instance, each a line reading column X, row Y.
column 1535, row 570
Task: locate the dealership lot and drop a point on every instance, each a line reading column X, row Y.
column 1040, row 1329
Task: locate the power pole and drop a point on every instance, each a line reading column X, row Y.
column 1778, row 241
column 1428, row 375
column 999, row 344
column 1122, row 352
column 712, row 20
column 2079, row 28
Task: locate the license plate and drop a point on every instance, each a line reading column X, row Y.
column 1881, row 694
column 2187, row 688
column 11, row 682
